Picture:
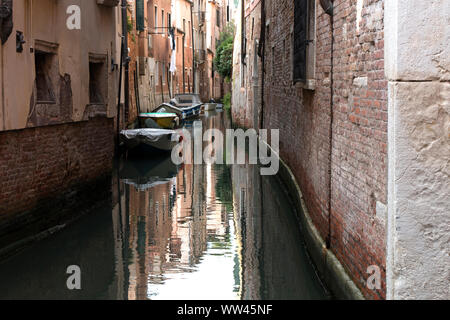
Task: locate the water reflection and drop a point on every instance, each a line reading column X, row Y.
column 188, row 232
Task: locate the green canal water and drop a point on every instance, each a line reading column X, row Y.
column 189, row 232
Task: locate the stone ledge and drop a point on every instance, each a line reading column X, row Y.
column 329, row 267
column 331, row 271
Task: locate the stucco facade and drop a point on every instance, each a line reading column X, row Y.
column 66, row 55
column 58, row 101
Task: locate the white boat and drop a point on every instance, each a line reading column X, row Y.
column 210, row 106
column 190, row 104
column 182, row 113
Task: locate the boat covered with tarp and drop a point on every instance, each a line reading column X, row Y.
column 151, row 140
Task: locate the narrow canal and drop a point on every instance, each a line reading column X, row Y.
column 168, row 232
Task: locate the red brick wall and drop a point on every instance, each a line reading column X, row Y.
column 41, row 163
column 359, row 155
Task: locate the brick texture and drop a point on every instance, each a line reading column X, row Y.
column 46, row 164
column 358, row 163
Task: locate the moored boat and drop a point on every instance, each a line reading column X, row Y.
column 210, row 106
column 182, row 113
column 190, row 104
column 150, row 140
column 163, row 119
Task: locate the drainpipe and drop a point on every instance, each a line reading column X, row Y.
column 126, row 58
column 327, row 6
column 119, row 100
column 193, row 51
column 262, row 55
column 184, row 73
column 123, row 62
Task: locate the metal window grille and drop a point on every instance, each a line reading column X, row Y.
column 300, row 39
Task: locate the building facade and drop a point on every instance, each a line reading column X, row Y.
column 57, row 106
column 337, row 80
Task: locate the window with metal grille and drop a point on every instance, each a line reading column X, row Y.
column 300, row 39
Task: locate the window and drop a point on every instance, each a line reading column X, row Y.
column 169, row 20
column 218, row 17
column 184, row 31
column 44, row 64
column 303, row 43
column 140, row 15
column 162, row 23
column 164, row 72
column 300, row 39
column 156, row 17
column 189, row 33
column 97, row 82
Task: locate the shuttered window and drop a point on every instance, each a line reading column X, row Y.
column 140, row 15
column 300, row 39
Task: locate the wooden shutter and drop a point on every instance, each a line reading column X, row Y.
column 140, row 15
column 300, row 39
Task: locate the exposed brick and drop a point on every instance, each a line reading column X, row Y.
column 359, row 145
column 40, row 163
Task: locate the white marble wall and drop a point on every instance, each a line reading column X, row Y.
column 417, row 63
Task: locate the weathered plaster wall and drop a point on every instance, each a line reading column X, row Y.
column 417, row 66
column 247, row 78
column 46, row 22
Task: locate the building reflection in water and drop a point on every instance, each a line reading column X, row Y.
column 212, row 232
column 189, row 232
column 180, row 239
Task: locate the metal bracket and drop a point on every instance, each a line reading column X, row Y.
column 19, row 41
